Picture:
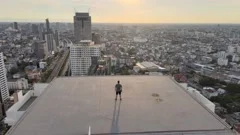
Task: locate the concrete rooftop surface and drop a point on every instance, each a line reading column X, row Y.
column 150, row 104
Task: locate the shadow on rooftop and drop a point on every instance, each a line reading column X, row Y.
column 115, row 118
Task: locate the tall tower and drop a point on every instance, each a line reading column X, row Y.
column 15, row 25
column 82, row 27
column 50, row 42
column 56, row 36
column 41, row 31
column 34, row 28
column 4, row 93
column 48, row 26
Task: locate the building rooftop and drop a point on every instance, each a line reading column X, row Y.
column 149, row 65
column 81, row 14
column 151, row 104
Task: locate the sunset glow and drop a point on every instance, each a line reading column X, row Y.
column 124, row 11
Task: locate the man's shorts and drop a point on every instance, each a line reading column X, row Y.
column 118, row 92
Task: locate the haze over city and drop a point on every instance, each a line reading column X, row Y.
column 123, row 11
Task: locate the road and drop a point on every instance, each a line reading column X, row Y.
column 66, row 66
column 54, row 61
column 58, row 66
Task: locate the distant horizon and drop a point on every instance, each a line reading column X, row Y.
column 119, row 23
column 124, row 11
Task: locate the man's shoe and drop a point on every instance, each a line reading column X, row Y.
column 115, row 99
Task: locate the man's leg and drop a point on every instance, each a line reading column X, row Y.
column 120, row 94
column 116, row 95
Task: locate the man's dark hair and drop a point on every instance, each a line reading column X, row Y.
column 118, row 81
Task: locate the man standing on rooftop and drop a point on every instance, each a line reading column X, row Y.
column 118, row 89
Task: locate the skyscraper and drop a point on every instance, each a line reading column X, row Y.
column 38, row 48
column 41, row 31
column 1, row 111
column 4, row 93
column 34, row 29
column 15, row 25
column 82, row 27
column 58, row 26
column 50, row 42
column 81, row 57
column 48, row 26
column 96, row 38
column 56, row 35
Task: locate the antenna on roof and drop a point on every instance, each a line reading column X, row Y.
column 89, row 131
column 89, row 10
column 75, row 10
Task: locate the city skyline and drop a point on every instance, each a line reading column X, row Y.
column 124, row 11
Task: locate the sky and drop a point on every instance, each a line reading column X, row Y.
column 123, row 11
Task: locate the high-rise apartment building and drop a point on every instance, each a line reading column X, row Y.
column 50, row 42
column 58, row 26
column 1, row 111
column 4, row 93
column 81, row 56
column 41, row 31
column 82, row 27
column 34, row 28
column 48, row 26
column 238, row 49
column 56, row 36
column 15, row 25
column 38, row 49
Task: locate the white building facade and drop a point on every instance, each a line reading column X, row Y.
column 42, row 65
column 231, row 49
column 222, row 62
column 238, row 49
column 235, row 58
column 4, row 93
column 81, row 57
column 222, row 54
column 19, row 84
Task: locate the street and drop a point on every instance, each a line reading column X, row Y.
column 58, row 66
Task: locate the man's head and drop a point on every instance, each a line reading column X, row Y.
column 118, row 82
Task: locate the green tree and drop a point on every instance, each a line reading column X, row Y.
column 125, row 72
column 131, row 51
column 3, row 128
column 13, row 70
column 141, row 72
column 122, row 49
column 192, row 72
column 229, row 57
column 22, row 65
column 207, row 81
column 233, row 88
column 113, row 69
column 56, row 54
column 49, row 60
